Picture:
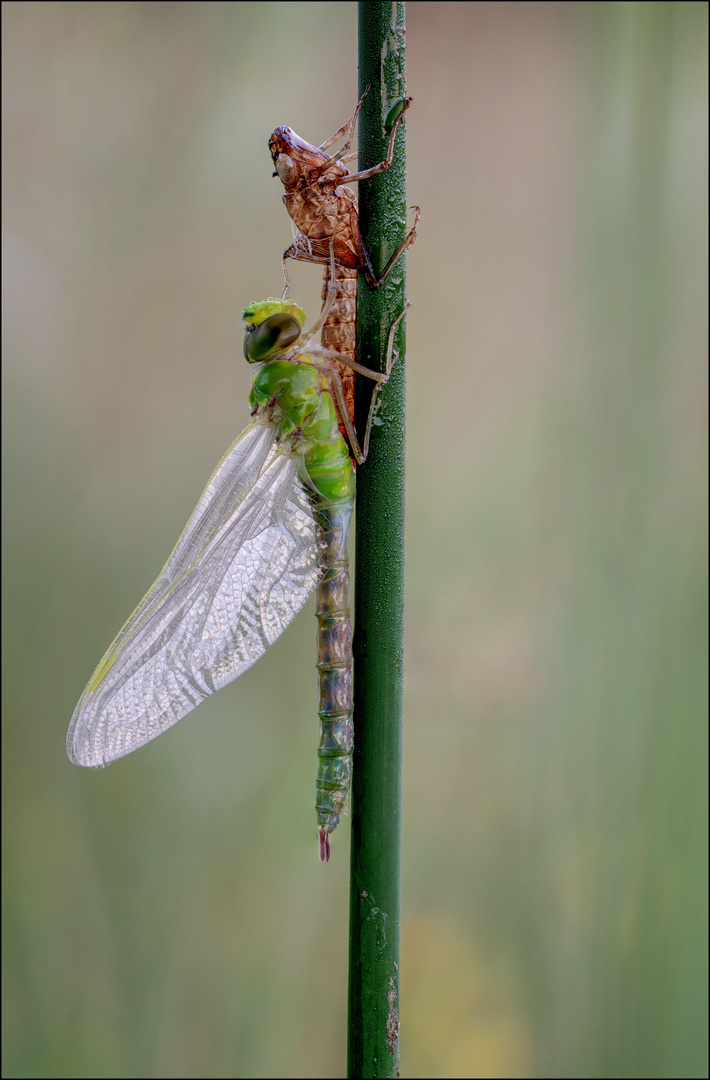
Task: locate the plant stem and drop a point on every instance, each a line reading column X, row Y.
column 373, row 1002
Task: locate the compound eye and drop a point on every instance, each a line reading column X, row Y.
column 285, row 167
column 271, row 337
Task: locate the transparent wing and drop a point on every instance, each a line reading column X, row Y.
column 243, row 568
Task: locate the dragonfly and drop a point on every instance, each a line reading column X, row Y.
column 270, row 528
column 325, row 214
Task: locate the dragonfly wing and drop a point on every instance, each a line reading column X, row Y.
column 244, row 566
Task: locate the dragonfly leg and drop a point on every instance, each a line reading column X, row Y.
column 337, row 385
column 287, row 281
column 389, row 364
column 349, row 128
column 367, row 173
column 331, row 354
column 391, row 358
column 328, row 301
column 380, row 378
column 370, row 276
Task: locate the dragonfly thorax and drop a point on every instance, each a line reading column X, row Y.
column 296, row 397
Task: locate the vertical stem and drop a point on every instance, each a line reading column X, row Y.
column 373, row 1004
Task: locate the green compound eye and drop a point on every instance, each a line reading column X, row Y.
column 271, row 337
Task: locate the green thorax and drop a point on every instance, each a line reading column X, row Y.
column 291, row 392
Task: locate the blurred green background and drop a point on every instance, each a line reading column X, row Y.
column 169, row 917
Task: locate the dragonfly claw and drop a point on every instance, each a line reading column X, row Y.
column 324, row 845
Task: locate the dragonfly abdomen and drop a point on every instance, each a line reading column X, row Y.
column 334, row 672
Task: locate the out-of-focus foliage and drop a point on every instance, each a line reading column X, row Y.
column 169, row 917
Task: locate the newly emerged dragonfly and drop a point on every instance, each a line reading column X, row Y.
column 271, row 526
column 325, row 214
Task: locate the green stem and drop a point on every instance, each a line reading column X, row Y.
column 373, row 1003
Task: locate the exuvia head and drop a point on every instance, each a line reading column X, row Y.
column 290, row 154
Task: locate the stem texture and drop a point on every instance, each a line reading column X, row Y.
column 378, row 645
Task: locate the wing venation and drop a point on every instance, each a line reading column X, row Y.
column 242, row 569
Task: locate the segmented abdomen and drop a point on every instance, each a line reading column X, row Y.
column 340, row 329
column 334, row 665
column 332, row 598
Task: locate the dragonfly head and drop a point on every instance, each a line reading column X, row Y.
column 293, row 156
column 271, row 327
